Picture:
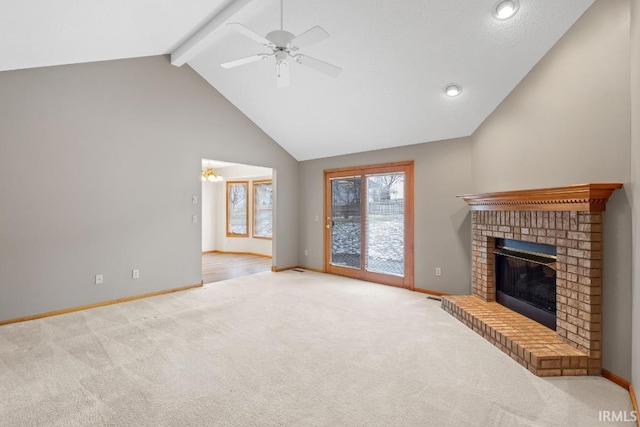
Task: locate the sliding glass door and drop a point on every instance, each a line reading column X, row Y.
column 345, row 229
column 369, row 223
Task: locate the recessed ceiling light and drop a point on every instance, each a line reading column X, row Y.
column 505, row 9
column 452, row 90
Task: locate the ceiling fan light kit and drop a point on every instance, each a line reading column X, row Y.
column 285, row 45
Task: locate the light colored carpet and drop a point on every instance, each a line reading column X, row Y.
column 279, row 349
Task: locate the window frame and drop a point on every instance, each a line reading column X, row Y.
column 228, row 208
column 362, row 273
column 254, row 185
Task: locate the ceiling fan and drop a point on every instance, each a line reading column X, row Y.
column 285, row 45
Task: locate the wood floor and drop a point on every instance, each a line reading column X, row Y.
column 221, row 266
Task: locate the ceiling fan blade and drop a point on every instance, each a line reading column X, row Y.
column 251, row 34
column 282, row 73
column 309, row 37
column 316, row 64
column 242, row 61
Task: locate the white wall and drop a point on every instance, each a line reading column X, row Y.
column 635, row 180
column 210, row 218
column 214, row 234
column 98, row 165
column 568, row 122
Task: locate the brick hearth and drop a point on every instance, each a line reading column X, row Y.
column 569, row 218
column 534, row 346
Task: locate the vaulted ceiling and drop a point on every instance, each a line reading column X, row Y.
column 396, row 58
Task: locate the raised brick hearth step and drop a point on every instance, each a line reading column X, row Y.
column 534, row 346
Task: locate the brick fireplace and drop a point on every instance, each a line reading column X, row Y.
column 569, row 218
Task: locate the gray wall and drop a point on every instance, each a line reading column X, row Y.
column 442, row 222
column 568, row 122
column 635, row 179
column 98, row 163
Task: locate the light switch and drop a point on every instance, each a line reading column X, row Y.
column 194, row 219
column 194, row 200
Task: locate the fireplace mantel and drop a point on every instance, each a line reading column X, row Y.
column 569, row 218
column 579, row 197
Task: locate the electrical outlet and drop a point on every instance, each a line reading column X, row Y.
column 438, row 271
column 135, row 274
column 194, row 200
column 306, row 252
column 99, row 279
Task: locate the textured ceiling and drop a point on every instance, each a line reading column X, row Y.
column 396, row 56
column 37, row 33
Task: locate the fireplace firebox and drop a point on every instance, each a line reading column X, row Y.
column 571, row 220
column 525, row 275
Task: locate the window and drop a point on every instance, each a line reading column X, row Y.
column 262, row 209
column 237, row 209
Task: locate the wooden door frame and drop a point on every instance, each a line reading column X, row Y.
column 407, row 167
